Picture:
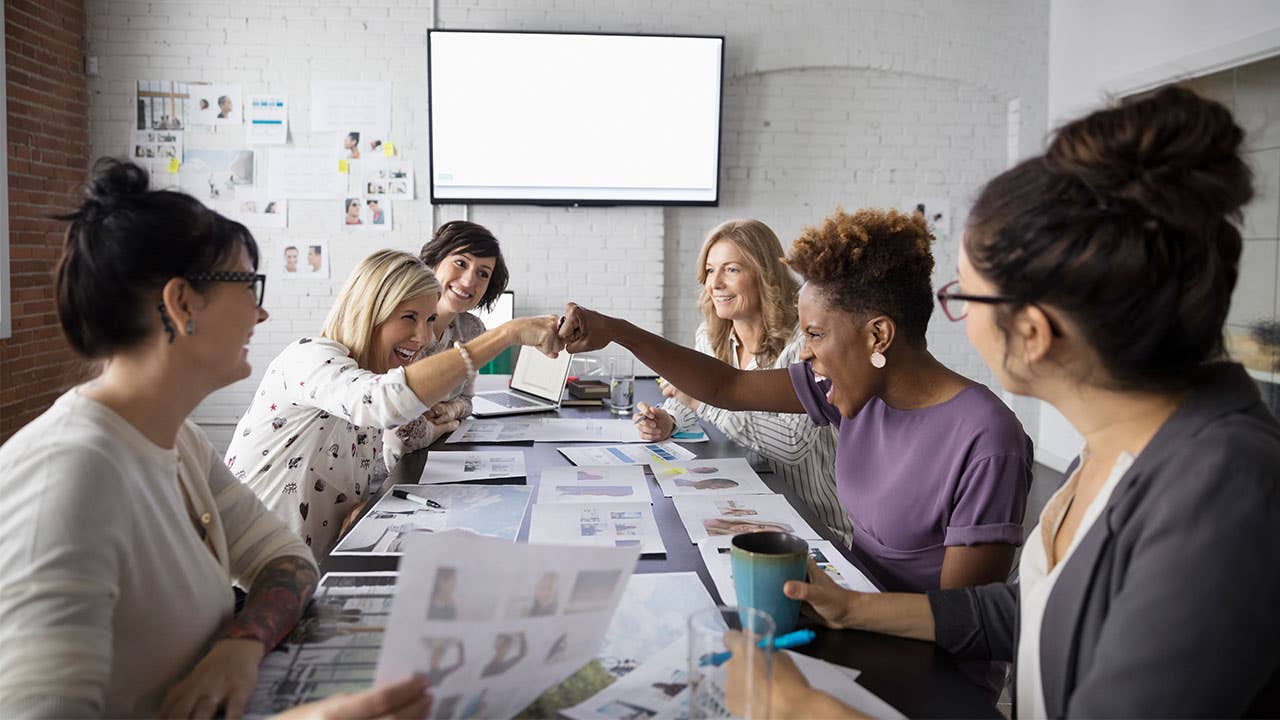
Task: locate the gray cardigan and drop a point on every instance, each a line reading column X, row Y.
column 1170, row 604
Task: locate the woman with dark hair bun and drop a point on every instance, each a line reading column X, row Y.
column 1097, row 278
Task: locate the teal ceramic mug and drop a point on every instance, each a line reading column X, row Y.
column 762, row 563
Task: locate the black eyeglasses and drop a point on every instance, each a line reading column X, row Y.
column 259, row 281
column 956, row 304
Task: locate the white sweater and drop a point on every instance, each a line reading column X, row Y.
column 108, row 596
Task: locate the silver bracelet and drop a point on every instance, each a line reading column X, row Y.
column 466, row 358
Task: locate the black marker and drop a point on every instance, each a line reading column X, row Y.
column 404, row 495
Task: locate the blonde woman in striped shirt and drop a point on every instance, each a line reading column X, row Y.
column 748, row 304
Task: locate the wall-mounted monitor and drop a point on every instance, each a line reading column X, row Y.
column 574, row 119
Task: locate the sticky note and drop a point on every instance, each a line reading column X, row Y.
column 344, row 167
column 388, row 149
column 174, row 165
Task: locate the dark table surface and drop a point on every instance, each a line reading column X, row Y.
column 916, row 677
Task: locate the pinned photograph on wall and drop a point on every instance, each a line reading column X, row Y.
column 161, row 105
column 936, row 213
column 597, row 484
column 266, row 120
column 716, row 476
column 360, row 144
column 215, row 104
column 388, row 178
column 212, row 176
column 157, row 145
column 255, row 208
column 303, row 259
column 340, row 105
column 361, row 215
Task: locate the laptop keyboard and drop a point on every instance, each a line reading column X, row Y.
column 508, row 400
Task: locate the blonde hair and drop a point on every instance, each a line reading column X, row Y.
column 777, row 289
column 378, row 284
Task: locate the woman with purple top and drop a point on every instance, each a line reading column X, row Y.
column 932, row 468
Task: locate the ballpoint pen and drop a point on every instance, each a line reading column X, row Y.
column 785, row 642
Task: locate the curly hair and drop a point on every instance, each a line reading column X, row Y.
column 763, row 253
column 871, row 262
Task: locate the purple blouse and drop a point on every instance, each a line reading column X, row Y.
column 916, row 481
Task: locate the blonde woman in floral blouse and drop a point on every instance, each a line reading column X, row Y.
column 309, row 444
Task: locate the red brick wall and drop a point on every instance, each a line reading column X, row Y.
column 48, row 146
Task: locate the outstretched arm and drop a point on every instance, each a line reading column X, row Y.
column 701, row 376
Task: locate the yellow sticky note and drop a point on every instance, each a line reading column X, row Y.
column 174, row 165
column 388, row 149
column 344, row 166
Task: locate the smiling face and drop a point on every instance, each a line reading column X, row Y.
column 398, row 339
column 291, row 260
column 839, row 350
column 464, row 279
column 224, row 323
column 731, row 283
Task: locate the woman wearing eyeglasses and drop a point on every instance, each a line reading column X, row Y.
column 1097, row 278
column 121, row 532
column 932, row 467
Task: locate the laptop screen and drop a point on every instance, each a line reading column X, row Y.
column 539, row 375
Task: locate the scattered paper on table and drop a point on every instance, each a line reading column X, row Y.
column 598, row 484
column 656, row 690
column 477, row 430
column 708, row 477
column 300, row 174
column 267, row 120
column 450, row 467
column 840, row 682
column 730, row 515
column 715, row 555
column 627, row 525
column 637, row 454
column 493, row 510
column 493, row 625
column 347, row 105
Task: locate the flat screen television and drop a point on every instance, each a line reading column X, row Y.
column 573, row 118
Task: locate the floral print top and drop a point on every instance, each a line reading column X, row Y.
column 310, row 443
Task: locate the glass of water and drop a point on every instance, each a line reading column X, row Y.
column 622, row 385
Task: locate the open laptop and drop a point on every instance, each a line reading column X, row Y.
column 537, row 382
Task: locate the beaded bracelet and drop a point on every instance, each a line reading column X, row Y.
column 466, row 358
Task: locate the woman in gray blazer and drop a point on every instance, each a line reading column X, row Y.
column 1097, row 278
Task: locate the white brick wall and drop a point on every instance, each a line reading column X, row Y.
column 853, row 102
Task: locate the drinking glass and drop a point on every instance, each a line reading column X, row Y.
column 622, row 385
column 752, row 675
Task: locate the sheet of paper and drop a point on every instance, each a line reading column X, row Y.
column 305, row 259
column 657, row 689
column 509, row 429
column 597, row 484
column 625, row 525
column 730, row 515
column 356, row 214
column 162, row 104
column 715, row 555
column 450, row 467
column 333, row 648
column 492, row 510
column 301, row 174
column 215, row 104
column 266, row 120
column 494, row 624
column 840, row 682
column 506, row 430
column 156, row 145
column 214, row 176
column 385, row 177
column 638, row 454
column 255, row 207
column 708, row 477
column 346, row 105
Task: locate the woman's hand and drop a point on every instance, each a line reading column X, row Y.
column 539, row 331
column 830, row 602
column 748, row 688
column 671, row 391
column 654, row 423
column 443, row 411
column 224, row 678
column 584, row 330
column 409, row 698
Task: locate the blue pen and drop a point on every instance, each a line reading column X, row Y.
column 786, row 642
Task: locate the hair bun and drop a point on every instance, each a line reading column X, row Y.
column 114, row 180
column 1173, row 154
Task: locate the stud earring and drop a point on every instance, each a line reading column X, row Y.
column 877, row 359
column 190, row 328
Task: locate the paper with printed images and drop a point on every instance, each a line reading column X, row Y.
column 732, row 514
column 477, row 430
column 493, row 510
column 708, row 477
column 634, row 454
column 597, row 484
column 449, row 467
column 492, row 625
column 629, row 525
column 715, row 555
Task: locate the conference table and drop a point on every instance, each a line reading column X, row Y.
column 916, row 677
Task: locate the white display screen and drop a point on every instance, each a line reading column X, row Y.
column 568, row 118
column 503, row 310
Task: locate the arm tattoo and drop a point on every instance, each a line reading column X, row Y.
column 275, row 602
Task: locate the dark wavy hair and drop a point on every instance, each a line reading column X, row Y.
column 460, row 236
column 122, row 245
column 1128, row 226
column 871, row 262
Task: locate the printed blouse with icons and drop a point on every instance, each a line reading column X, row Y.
column 311, row 442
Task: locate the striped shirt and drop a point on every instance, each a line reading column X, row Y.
column 801, row 453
